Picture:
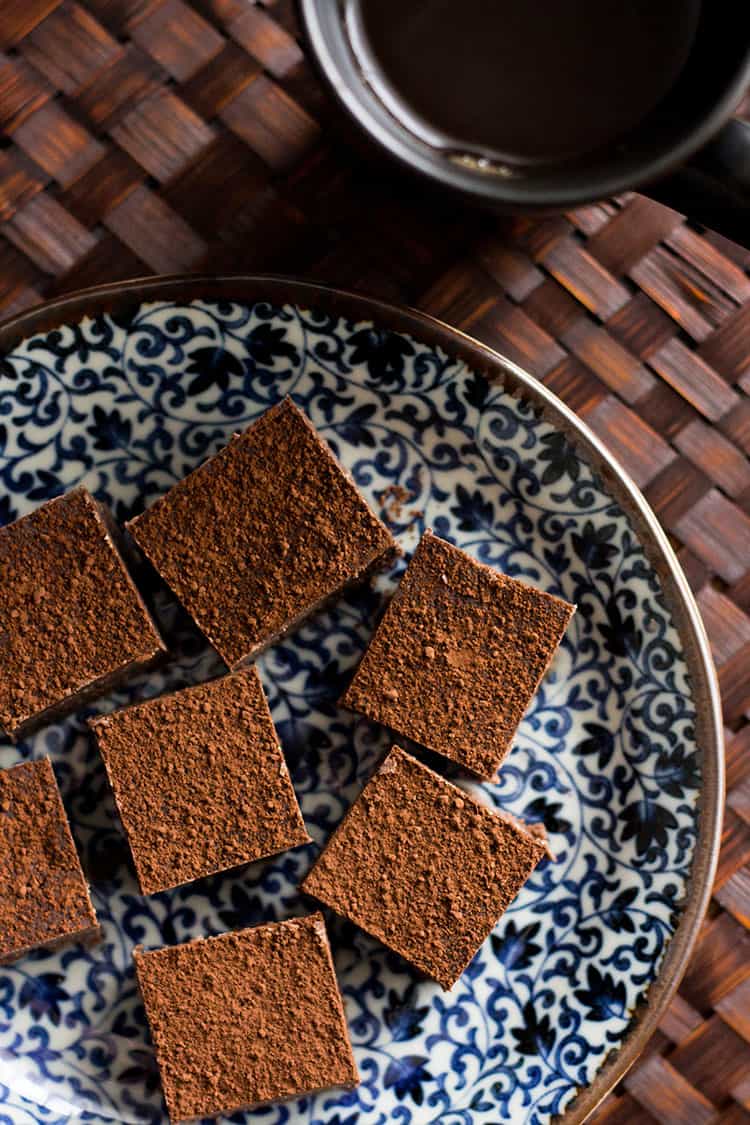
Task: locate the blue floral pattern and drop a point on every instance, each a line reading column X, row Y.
column 606, row 757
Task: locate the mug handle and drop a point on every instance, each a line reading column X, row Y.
column 713, row 188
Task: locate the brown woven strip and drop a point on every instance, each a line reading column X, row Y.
column 163, row 135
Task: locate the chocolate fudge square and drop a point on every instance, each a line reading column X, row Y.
column 262, row 534
column 458, row 656
column 200, row 781
column 72, row 624
column 424, row 867
column 245, row 1018
column 44, row 900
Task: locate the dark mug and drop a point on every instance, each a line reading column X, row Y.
column 684, row 149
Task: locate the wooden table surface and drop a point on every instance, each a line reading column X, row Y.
column 158, row 136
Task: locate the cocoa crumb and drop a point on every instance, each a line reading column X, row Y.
column 392, row 500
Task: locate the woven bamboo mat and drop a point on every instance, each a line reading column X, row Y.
column 145, row 136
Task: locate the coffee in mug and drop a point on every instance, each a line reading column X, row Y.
column 522, row 80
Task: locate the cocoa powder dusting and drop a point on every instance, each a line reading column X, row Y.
column 200, row 781
column 260, row 534
column 70, row 615
column 458, row 656
column 246, row 1018
column 424, row 867
column 43, row 894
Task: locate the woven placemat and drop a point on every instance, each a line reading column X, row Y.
column 144, row 136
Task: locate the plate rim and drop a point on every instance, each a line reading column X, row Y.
column 280, row 289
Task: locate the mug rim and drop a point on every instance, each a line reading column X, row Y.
column 337, row 65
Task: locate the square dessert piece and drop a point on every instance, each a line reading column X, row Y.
column 44, row 900
column 263, row 533
column 424, row 867
column 458, row 656
column 72, row 624
column 200, row 781
column 245, row 1018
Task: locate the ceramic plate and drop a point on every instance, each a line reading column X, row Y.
column 125, row 390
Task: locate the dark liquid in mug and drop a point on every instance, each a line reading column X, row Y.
column 522, row 79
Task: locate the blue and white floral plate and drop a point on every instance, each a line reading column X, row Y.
column 125, row 389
